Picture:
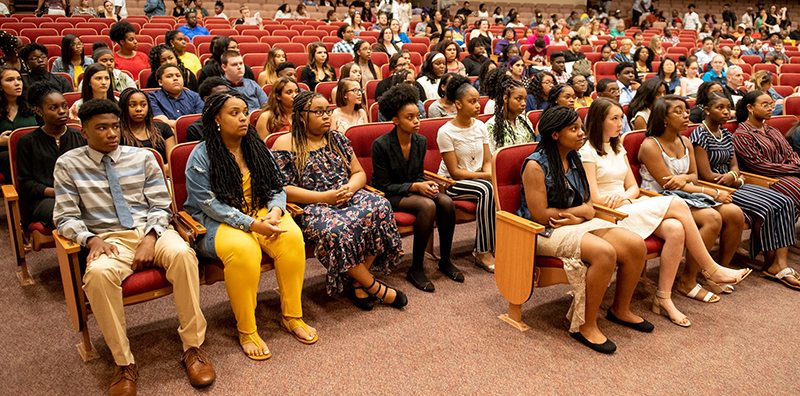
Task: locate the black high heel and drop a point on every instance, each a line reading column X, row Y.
column 365, row 303
column 400, row 299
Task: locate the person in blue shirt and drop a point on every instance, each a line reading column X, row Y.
column 172, row 101
column 717, row 72
column 625, row 73
column 154, row 8
column 190, row 29
column 233, row 69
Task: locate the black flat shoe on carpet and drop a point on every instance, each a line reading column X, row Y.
column 425, row 284
column 607, row 347
column 452, row 272
column 364, row 303
column 643, row 326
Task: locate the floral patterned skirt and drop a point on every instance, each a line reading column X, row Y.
column 345, row 236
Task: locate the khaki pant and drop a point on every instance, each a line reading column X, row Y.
column 105, row 275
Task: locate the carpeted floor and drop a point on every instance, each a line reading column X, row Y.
column 448, row 342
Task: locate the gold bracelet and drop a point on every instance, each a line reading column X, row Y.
column 735, row 176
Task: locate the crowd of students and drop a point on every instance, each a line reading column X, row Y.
column 100, row 190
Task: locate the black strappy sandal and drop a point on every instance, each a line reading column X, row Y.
column 365, row 303
column 400, row 300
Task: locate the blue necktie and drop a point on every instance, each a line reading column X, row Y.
column 123, row 211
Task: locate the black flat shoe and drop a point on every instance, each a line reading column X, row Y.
column 607, row 347
column 400, row 299
column 643, row 326
column 425, row 285
column 452, row 272
column 365, row 304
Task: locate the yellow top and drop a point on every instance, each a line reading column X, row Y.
column 588, row 100
column 78, row 72
column 191, row 62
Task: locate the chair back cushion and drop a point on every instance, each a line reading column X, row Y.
column 177, row 171
column 430, row 129
column 632, row 141
column 507, row 175
column 12, row 151
column 361, row 138
column 782, row 123
column 182, row 123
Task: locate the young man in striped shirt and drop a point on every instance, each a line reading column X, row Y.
column 113, row 200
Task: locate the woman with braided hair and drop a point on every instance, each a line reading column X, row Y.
column 235, row 191
column 538, row 90
column 398, row 165
column 491, row 87
column 10, row 45
column 137, row 127
column 561, row 95
column 353, row 230
column 464, row 144
column 589, row 247
column 509, row 125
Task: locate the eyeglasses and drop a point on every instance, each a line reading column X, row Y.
column 547, row 82
column 767, row 105
column 37, row 58
column 357, row 91
column 319, row 113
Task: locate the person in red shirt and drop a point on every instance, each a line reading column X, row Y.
column 128, row 58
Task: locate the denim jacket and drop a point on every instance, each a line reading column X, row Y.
column 203, row 206
column 59, row 67
column 154, row 7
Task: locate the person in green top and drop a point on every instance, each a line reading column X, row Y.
column 13, row 113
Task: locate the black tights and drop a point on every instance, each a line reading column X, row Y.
column 427, row 210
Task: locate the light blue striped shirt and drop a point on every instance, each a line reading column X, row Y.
column 84, row 206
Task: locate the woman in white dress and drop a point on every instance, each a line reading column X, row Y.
column 692, row 81
column 404, row 15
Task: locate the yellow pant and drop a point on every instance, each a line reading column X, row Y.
column 240, row 252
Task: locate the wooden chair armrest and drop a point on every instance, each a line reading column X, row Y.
column 444, row 181
column 763, row 181
column 65, row 245
column 608, row 214
column 730, row 190
column 523, row 224
column 190, row 223
column 515, row 256
column 374, row 190
column 293, row 209
column 10, row 193
column 648, row 193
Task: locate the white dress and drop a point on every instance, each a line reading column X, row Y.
column 644, row 214
column 431, row 88
column 404, row 16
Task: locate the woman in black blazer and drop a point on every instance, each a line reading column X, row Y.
column 398, row 163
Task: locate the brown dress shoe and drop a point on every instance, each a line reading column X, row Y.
column 124, row 382
column 199, row 368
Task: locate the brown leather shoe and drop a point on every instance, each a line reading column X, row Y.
column 124, row 382
column 199, row 368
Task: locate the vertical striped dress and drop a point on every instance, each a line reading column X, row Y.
column 771, row 214
column 769, row 154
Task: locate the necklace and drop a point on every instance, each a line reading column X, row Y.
column 718, row 139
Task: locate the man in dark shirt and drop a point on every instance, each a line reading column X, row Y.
column 38, row 151
column 728, row 15
column 476, row 58
column 466, row 12
column 212, row 85
column 35, row 55
column 574, row 52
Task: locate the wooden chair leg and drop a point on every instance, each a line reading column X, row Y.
column 23, row 276
column 85, row 347
column 514, row 317
column 15, row 234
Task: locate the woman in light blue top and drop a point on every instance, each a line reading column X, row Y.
column 72, row 60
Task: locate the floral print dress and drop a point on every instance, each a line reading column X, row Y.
column 344, row 236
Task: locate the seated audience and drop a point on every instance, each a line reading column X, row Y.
column 475, row 59
column 138, row 128
column 690, row 82
column 286, row 69
column 269, row 76
column 717, row 72
column 444, row 106
column 668, row 73
column 212, row 85
column 348, row 110
column 643, row 59
column 736, row 86
column 452, row 54
column 246, row 19
column 119, row 81
column 353, row 230
column 83, row 8
column 234, row 72
column 363, row 58
column 347, row 36
column 762, row 81
column 580, row 85
column 509, row 38
column 398, row 162
column 245, row 217
column 172, row 101
column 400, row 77
column 385, row 43
column 276, row 115
column 72, row 59
column 213, row 66
column 191, row 28
column 509, row 125
column 625, row 73
column 163, row 54
column 669, row 167
column 539, row 90
column 11, row 46
column 15, row 112
column 698, row 114
column 466, row 157
column 608, row 88
column 34, row 56
column 135, row 235
column 773, row 212
column 558, row 67
column 38, row 151
column 762, row 148
column 98, row 87
column 178, row 10
column 317, row 70
column 128, row 58
column 561, row 95
column 434, row 67
column 574, row 52
column 562, row 201
column 177, row 40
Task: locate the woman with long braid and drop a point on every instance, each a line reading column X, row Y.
column 509, row 125
column 574, row 235
column 354, row 230
column 235, row 190
column 464, row 144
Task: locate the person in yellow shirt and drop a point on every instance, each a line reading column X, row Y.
column 177, row 40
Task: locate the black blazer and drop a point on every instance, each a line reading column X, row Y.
column 391, row 173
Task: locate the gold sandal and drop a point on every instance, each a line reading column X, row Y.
column 289, row 325
column 708, row 297
column 658, row 310
column 723, row 287
column 255, row 339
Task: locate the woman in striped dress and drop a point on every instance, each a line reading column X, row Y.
column 763, row 149
column 770, row 214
